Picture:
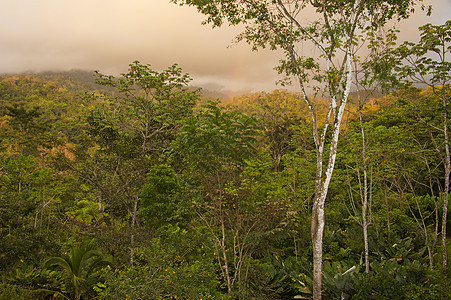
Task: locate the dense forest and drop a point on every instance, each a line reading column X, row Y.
column 140, row 188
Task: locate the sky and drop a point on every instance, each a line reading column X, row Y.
column 107, row 35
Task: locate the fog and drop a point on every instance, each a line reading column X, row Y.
column 107, row 35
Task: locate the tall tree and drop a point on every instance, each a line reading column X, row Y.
column 279, row 111
column 212, row 146
column 333, row 30
column 132, row 128
column 427, row 63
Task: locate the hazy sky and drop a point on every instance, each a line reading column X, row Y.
column 40, row 35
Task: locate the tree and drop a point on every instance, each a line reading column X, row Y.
column 427, row 63
column 212, row 146
column 405, row 152
column 360, row 164
column 27, row 132
column 334, row 32
column 131, row 129
column 79, row 268
column 160, row 197
column 279, row 113
column 30, row 194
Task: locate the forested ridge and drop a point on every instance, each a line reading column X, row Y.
column 138, row 188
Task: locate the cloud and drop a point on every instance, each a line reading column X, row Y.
column 109, row 34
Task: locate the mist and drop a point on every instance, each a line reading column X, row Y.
column 107, row 35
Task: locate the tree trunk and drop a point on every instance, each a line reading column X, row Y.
column 318, row 223
column 132, row 236
column 387, row 209
column 101, row 208
column 447, row 174
column 318, row 216
column 322, row 186
column 364, row 197
column 222, row 242
column 365, row 240
column 224, row 254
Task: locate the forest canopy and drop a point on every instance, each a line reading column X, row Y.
column 138, row 186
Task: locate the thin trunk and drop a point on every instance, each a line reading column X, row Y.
column 447, row 174
column 322, row 182
column 436, row 231
column 364, row 197
column 101, row 208
column 437, row 219
column 48, row 223
column 295, row 248
column 365, row 239
column 132, row 247
column 132, row 237
column 223, row 237
column 430, row 254
column 317, row 227
column 40, row 223
column 420, row 221
column 19, row 189
column 387, row 209
column 223, row 248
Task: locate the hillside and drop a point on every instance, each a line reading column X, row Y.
column 166, row 188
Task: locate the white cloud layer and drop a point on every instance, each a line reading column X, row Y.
column 109, row 34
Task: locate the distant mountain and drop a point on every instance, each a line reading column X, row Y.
column 82, row 80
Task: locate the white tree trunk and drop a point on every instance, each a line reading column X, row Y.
column 318, row 216
column 364, row 197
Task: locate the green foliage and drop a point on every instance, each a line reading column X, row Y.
column 27, row 133
column 29, row 195
column 43, row 110
column 282, row 277
column 280, row 25
column 420, row 66
column 337, row 278
column 147, row 110
column 160, row 198
column 31, row 282
column 79, row 269
column 335, row 34
column 62, row 178
column 86, row 207
column 215, row 139
column 178, row 264
column 280, row 115
column 9, row 291
column 129, row 130
column 400, row 281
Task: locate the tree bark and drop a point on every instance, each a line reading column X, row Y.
column 133, row 222
column 322, row 186
column 364, row 197
column 447, row 174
